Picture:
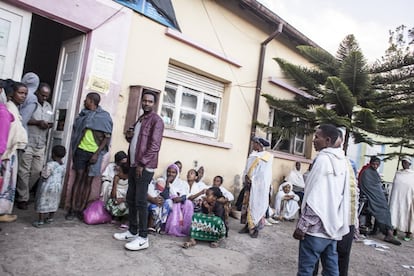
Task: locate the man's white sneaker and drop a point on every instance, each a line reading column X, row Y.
column 125, row 236
column 137, row 244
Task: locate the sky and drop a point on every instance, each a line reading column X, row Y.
column 328, row 22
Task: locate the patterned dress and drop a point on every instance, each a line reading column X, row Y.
column 209, row 227
column 50, row 188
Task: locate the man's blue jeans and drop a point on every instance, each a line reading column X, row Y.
column 311, row 249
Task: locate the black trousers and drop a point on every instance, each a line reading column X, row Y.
column 137, row 201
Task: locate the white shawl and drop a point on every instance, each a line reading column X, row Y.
column 261, row 177
column 327, row 192
column 296, row 178
column 291, row 206
column 402, row 201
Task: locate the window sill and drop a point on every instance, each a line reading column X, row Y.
column 290, row 157
column 173, row 134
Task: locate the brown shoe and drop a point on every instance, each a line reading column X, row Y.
column 22, row 205
column 8, row 218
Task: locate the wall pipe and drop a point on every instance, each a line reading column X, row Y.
column 259, row 78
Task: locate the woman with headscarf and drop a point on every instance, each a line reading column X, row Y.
column 286, row 202
column 17, row 139
column 179, row 220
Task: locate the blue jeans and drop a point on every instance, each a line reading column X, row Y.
column 137, row 201
column 311, row 249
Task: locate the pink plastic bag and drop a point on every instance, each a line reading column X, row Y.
column 96, row 213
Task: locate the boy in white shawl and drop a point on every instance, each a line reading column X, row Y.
column 325, row 205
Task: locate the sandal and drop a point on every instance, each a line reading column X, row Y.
column 49, row 220
column 244, row 230
column 214, row 244
column 37, row 224
column 254, row 234
column 188, row 244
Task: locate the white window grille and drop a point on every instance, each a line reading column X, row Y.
column 191, row 102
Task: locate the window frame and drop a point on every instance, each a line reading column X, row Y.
column 183, row 81
column 293, row 140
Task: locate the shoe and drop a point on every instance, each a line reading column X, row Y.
column 70, row 215
column 125, row 236
column 272, row 221
column 392, row 240
column 22, row 205
column 38, row 224
column 8, row 218
column 244, row 230
column 407, row 239
column 254, row 234
column 137, row 244
column 123, row 227
column 267, row 223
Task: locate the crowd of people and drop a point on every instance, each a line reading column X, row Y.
column 324, row 200
column 25, row 117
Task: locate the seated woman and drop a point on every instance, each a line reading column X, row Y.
column 195, row 188
column 227, row 198
column 109, row 173
column 179, row 220
column 286, row 203
column 209, row 224
column 159, row 205
column 116, row 204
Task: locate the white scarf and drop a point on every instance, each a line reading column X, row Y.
column 261, row 178
column 327, row 192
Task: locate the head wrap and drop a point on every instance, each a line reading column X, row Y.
column 261, row 141
column 31, row 80
column 175, row 167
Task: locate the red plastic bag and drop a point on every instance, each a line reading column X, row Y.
column 96, row 213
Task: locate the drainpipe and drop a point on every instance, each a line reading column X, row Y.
column 259, row 78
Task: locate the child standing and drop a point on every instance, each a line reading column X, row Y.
column 50, row 188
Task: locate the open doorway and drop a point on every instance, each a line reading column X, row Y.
column 54, row 53
column 43, row 48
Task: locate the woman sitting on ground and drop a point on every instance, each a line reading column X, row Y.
column 195, row 188
column 179, row 220
column 209, row 224
column 159, row 205
column 286, row 203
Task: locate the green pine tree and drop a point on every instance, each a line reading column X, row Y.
column 393, row 79
column 337, row 88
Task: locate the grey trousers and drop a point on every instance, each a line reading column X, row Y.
column 30, row 167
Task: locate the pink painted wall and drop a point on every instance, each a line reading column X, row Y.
column 107, row 26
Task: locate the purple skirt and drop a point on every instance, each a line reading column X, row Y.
column 179, row 220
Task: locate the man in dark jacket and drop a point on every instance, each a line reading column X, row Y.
column 145, row 142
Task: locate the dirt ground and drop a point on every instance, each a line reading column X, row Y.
column 74, row 248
